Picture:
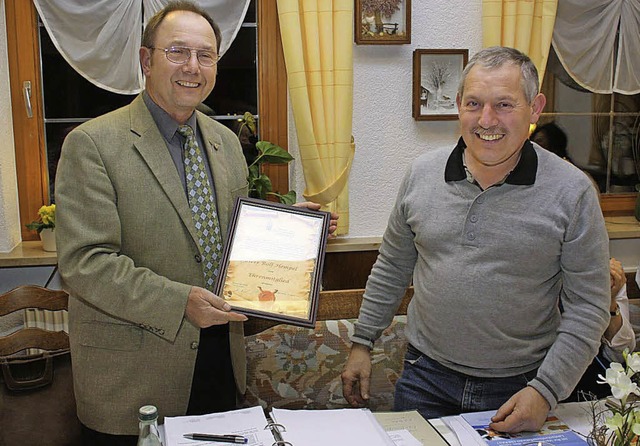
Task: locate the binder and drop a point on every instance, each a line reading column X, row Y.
column 282, row 427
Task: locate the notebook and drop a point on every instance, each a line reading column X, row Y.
column 353, row 427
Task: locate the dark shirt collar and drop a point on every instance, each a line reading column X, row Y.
column 523, row 174
column 166, row 124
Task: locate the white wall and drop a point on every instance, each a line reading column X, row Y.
column 9, row 212
column 387, row 137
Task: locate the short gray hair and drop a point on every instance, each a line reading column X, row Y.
column 496, row 57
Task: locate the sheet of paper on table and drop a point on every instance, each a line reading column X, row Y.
column 412, row 421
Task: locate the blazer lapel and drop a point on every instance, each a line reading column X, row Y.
column 153, row 149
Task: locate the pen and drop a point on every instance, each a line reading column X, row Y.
column 237, row 439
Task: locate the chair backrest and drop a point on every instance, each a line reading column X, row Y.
column 37, row 403
column 32, row 296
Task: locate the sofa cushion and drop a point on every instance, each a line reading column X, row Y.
column 299, row 368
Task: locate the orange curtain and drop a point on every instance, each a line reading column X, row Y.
column 317, row 38
column 526, row 25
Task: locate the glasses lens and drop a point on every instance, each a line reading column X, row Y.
column 178, row 55
column 207, row 58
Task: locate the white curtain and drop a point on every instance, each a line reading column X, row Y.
column 584, row 40
column 100, row 39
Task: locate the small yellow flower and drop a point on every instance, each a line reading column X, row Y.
column 46, row 219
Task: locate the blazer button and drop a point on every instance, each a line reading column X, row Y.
column 198, row 258
column 194, row 345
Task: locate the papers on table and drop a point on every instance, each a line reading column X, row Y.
column 353, row 427
column 249, row 423
column 412, row 422
column 473, row 429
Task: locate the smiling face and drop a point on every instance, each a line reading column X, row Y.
column 494, row 118
column 176, row 88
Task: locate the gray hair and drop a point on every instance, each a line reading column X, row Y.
column 496, row 57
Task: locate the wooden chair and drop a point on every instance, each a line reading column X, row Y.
column 37, row 403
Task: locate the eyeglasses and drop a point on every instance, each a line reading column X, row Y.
column 181, row 55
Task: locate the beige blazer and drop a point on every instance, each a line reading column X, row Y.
column 128, row 257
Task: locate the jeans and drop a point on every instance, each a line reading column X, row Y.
column 437, row 391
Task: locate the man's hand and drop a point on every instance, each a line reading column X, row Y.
column 527, row 410
column 333, row 224
column 356, row 376
column 618, row 279
column 205, row 309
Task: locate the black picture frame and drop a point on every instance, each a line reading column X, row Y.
column 272, row 263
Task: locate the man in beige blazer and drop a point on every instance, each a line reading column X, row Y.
column 127, row 244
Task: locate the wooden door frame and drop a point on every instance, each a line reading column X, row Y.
column 24, row 65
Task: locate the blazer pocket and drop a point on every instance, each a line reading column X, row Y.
column 110, row 336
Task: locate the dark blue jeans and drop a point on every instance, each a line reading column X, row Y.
column 437, row 391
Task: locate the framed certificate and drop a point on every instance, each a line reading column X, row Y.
column 272, row 263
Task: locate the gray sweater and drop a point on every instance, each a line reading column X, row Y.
column 489, row 266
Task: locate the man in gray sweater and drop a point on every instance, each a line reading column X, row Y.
column 492, row 234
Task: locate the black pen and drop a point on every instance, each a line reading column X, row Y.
column 237, row 439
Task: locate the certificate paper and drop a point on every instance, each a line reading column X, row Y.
column 272, row 264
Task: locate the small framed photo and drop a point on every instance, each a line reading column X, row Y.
column 272, row 263
column 436, row 74
column 382, row 22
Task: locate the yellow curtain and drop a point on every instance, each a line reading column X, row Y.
column 318, row 50
column 526, row 25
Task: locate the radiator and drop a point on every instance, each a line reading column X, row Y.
column 46, row 320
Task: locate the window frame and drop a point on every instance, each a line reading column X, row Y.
column 612, row 204
column 30, row 148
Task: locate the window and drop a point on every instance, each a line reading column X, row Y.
column 251, row 78
column 69, row 99
column 603, row 134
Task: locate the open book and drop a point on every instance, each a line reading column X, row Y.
column 353, row 427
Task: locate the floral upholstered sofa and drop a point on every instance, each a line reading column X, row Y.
column 299, row 368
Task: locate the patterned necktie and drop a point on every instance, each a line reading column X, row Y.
column 203, row 206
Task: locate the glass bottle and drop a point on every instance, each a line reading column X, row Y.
column 149, row 434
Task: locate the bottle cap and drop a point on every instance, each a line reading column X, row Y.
column 147, row 413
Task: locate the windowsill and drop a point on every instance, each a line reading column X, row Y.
column 28, row 254
column 622, row 227
column 31, row 254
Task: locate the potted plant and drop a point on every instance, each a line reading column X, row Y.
column 45, row 225
column 258, row 153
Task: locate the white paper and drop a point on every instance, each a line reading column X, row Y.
column 465, row 434
column 403, row 438
column 578, row 416
column 348, row 427
column 249, row 423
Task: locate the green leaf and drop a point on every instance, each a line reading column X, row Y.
column 250, row 122
column 289, row 198
column 273, row 153
column 262, row 186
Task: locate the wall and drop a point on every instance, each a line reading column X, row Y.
column 387, row 137
column 9, row 213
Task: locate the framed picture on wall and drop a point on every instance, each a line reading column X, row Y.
column 382, row 22
column 436, row 74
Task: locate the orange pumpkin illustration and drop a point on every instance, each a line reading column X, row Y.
column 266, row 295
